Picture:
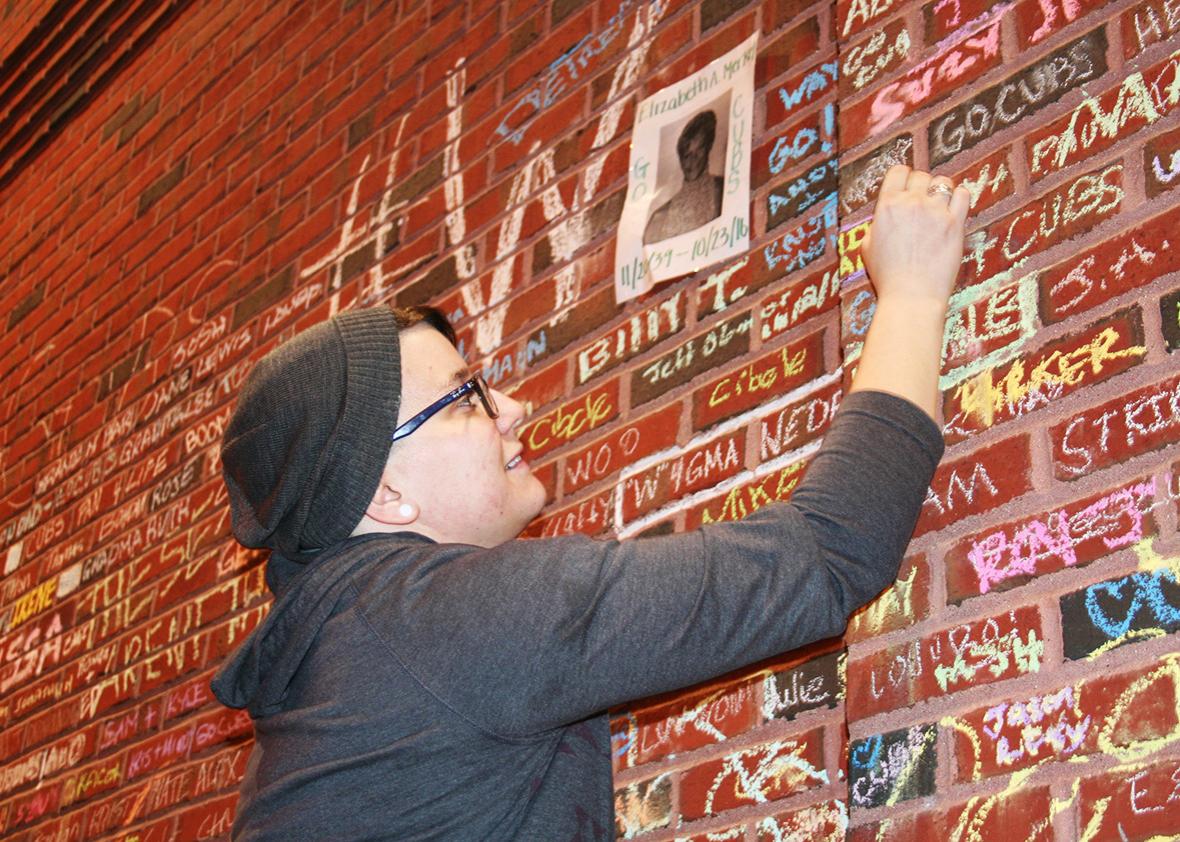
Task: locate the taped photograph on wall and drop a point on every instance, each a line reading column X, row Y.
column 688, row 192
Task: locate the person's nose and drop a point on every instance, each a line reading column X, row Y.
column 511, row 412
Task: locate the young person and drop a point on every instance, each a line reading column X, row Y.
column 423, row 674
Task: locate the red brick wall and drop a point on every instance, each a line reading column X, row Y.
column 257, row 167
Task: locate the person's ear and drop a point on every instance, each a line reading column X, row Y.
column 388, row 507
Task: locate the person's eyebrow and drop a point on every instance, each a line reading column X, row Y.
column 457, row 379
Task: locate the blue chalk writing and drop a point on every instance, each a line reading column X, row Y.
column 565, row 69
column 1146, row 593
column 782, row 250
column 500, row 367
column 813, row 85
column 797, row 145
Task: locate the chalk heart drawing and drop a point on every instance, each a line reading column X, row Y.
column 1108, row 599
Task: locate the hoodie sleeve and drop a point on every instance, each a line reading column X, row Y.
column 536, row 634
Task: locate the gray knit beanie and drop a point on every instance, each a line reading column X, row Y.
column 305, row 448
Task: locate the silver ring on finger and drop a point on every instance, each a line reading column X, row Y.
column 939, row 188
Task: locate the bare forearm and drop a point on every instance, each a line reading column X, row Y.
column 902, row 352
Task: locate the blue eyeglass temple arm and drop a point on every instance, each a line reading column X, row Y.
column 414, row 423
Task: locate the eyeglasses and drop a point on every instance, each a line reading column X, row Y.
column 476, row 384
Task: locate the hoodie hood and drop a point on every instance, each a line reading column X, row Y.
column 257, row 675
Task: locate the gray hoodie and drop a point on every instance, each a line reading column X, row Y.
column 403, row 689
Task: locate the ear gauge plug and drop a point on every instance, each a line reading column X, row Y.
column 405, row 510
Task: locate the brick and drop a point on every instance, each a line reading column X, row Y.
column 571, row 420
column 700, row 718
column 753, row 776
column 853, row 16
column 773, row 487
column 208, row 820
column 692, row 470
column 861, row 179
column 693, row 357
column 727, row 286
column 812, row 684
column 775, row 373
column 641, row 331
column 626, row 445
column 813, row 134
column 161, row 750
column 1111, row 714
column 800, row 90
column 91, row 780
column 902, row 604
column 219, row 726
column 543, row 52
column 1134, row 802
column 943, row 17
column 32, row 807
column 892, row 767
column 798, row 423
column 643, row 806
column 1020, row 95
column 984, row 479
column 935, row 78
column 1161, row 163
column 775, row 13
column 706, row 50
column 798, row 303
column 1170, row 319
column 823, row 822
column 1036, row 20
column 789, row 199
column 594, row 515
column 26, row 305
column 1025, row 813
column 799, row 246
column 1107, row 614
column 1044, row 222
column 540, row 389
column 788, row 50
column 1129, row 260
column 1071, row 534
column 986, row 324
column 989, row 181
column 1148, row 23
column 714, row 12
column 848, row 246
column 1127, row 426
column 591, row 313
column 881, row 52
column 138, row 118
column 1101, row 121
column 982, row 651
column 160, row 187
column 1094, row 354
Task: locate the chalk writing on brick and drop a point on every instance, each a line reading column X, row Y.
column 893, row 767
column 1000, row 106
column 1031, row 381
column 1070, row 535
column 1140, row 421
column 1099, row 121
column 1139, row 606
column 818, row 682
column 1149, row 23
column 928, row 82
column 860, row 179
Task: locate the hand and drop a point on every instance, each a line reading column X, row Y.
column 915, row 243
